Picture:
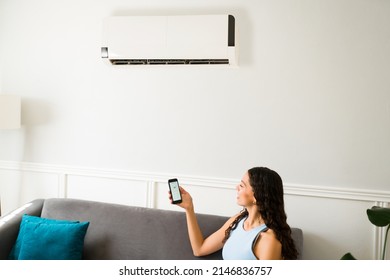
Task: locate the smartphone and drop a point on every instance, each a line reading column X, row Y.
column 175, row 190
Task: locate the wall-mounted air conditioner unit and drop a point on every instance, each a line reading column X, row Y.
column 170, row 40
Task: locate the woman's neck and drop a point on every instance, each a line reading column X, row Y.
column 254, row 218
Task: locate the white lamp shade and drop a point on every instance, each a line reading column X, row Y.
column 10, row 111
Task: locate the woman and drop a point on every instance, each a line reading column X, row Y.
column 259, row 231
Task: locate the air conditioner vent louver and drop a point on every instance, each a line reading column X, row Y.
column 170, row 40
column 167, row 61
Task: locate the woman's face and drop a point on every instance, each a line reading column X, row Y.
column 245, row 196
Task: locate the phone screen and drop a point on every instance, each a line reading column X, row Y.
column 175, row 190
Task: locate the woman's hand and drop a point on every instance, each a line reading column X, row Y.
column 186, row 199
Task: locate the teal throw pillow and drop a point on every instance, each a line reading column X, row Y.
column 53, row 241
column 14, row 255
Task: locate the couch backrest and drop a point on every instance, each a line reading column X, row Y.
column 128, row 232
column 136, row 233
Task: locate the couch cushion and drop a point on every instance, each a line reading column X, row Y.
column 14, row 254
column 53, row 241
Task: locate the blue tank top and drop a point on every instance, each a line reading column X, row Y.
column 239, row 245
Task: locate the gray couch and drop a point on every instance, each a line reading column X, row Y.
column 119, row 232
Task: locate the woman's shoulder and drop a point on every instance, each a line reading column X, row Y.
column 232, row 219
column 268, row 246
column 235, row 216
column 269, row 235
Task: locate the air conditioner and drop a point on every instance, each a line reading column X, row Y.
column 170, row 40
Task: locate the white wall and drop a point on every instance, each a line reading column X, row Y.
column 310, row 99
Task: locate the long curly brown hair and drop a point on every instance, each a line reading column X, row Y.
column 267, row 186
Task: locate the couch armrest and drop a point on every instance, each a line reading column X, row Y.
column 9, row 225
column 297, row 235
